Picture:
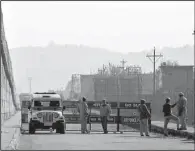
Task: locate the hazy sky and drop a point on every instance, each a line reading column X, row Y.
column 117, row 26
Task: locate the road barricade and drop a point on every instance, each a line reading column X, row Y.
column 119, row 117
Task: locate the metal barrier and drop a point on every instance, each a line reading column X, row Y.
column 131, row 121
column 72, row 117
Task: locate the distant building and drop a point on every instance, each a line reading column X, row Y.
column 147, row 83
column 73, row 88
column 117, row 89
column 61, row 93
column 50, row 91
column 176, row 78
column 67, row 90
column 87, row 86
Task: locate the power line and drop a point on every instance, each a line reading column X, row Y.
column 154, row 56
column 30, row 79
column 123, row 63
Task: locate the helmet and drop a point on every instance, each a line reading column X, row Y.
column 143, row 101
column 168, row 99
column 181, row 94
column 84, row 99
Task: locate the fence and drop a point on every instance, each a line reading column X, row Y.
column 123, row 114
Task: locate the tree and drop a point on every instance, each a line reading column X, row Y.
column 170, row 63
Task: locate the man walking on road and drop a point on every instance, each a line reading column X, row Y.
column 105, row 111
column 168, row 115
column 182, row 110
column 83, row 111
column 144, row 116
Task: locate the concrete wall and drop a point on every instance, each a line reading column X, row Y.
column 8, row 96
column 87, row 86
column 147, row 83
column 178, row 78
column 123, row 89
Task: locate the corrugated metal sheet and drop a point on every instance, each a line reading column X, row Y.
column 110, row 87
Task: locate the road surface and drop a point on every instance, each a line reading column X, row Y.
column 98, row 141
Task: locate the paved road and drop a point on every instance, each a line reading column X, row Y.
column 99, row 141
column 10, row 131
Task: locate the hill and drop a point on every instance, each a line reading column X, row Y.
column 51, row 67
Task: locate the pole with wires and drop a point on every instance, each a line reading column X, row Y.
column 30, row 88
column 154, row 56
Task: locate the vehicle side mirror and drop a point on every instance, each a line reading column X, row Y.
column 64, row 107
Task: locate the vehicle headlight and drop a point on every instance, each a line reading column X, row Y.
column 61, row 118
column 39, row 115
column 56, row 115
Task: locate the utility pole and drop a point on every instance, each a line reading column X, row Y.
column 154, row 56
column 194, row 52
column 30, row 79
column 103, row 69
column 139, row 91
column 123, row 63
column 194, row 83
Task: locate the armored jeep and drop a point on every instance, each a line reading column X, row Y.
column 46, row 113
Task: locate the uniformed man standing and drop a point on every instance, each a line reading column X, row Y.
column 182, row 110
column 144, row 116
column 105, row 111
column 83, row 111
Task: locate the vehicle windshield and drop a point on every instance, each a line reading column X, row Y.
column 46, row 103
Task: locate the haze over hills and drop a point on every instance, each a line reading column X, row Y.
column 51, row 67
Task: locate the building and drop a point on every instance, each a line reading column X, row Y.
column 172, row 80
column 113, row 83
column 8, row 95
column 87, row 86
column 176, row 78
column 147, row 83
column 67, row 90
column 113, row 88
column 117, row 88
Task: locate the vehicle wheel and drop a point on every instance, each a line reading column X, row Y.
column 21, row 131
column 31, row 128
column 57, row 130
column 62, row 128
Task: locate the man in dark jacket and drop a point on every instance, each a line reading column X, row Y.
column 168, row 115
column 144, row 116
column 105, row 111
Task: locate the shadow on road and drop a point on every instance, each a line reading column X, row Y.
column 41, row 134
column 77, row 132
column 13, row 126
column 125, row 136
column 188, row 141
